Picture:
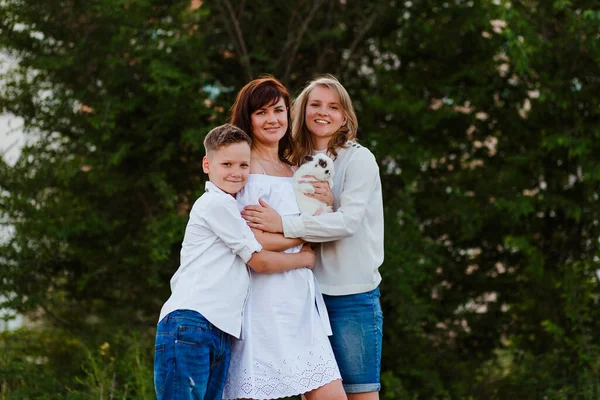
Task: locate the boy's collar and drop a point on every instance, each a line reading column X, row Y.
column 211, row 187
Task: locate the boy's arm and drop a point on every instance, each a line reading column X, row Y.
column 275, row 241
column 224, row 219
column 270, row 261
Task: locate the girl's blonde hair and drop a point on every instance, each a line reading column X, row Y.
column 301, row 134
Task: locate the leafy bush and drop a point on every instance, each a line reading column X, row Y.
column 52, row 364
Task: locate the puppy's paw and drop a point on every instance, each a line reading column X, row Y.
column 306, row 188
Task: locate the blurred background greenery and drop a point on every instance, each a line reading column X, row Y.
column 484, row 116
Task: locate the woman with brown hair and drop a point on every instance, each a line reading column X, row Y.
column 284, row 349
column 351, row 252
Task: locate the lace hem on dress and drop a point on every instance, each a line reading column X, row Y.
column 284, row 385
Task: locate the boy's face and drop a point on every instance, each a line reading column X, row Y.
column 228, row 167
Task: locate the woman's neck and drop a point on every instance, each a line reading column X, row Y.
column 265, row 159
column 267, row 153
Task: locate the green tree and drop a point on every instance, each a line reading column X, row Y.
column 483, row 117
column 495, row 130
column 115, row 94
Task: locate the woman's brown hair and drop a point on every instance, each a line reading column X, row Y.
column 264, row 91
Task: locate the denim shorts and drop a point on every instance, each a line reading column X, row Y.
column 191, row 357
column 357, row 324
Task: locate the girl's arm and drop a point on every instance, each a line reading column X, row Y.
column 262, row 218
column 271, row 262
column 362, row 189
column 275, row 241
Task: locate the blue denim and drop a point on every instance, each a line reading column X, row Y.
column 357, row 325
column 191, row 358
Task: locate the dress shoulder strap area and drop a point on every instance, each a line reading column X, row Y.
column 261, row 167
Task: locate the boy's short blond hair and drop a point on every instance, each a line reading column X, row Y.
column 224, row 135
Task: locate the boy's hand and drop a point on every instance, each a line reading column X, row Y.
column 309, row 254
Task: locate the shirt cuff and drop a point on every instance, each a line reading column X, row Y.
column 293, row 226
column 249, row 246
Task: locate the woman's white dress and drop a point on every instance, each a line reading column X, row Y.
column 284, row 349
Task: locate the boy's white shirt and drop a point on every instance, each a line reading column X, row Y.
column 351, row 252
column 213, row 278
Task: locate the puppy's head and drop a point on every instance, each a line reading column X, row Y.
column 320, row 166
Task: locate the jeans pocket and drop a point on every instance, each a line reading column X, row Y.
column 194, row 335
column 160, row 368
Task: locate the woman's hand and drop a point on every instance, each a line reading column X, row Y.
column 263, row 217
column 322, row 191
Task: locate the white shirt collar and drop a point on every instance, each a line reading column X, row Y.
column 211, row 187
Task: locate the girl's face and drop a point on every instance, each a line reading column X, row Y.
column 323, row 115
column 269, row 123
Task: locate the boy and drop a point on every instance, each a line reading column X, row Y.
column 209, row 289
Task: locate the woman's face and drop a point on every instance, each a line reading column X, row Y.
column 323, row 115
column 269, row 123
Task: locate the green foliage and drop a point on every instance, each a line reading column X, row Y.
column 483, row 115
column 50, row 364
column 34, row 364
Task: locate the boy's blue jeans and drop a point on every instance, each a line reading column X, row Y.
column 191, row 357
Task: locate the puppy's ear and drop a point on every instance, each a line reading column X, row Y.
column 308, row 158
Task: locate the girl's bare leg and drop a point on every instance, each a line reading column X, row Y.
column 331, row 391
column 363, row 396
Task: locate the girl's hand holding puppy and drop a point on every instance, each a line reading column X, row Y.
column 322, row 190
column 309, row 185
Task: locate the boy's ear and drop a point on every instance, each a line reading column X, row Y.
column 206, row 165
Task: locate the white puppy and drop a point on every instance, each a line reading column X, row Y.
column 321, row 167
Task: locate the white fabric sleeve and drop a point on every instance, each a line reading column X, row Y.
column 361, row 177
column 224, row 219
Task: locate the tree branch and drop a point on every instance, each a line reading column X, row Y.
column 301, row 32
column 56, row 318
column 241, row 10
column 358, row 40
column 289, row 39
column 237, row 36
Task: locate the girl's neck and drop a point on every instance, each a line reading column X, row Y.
column 320, row 144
